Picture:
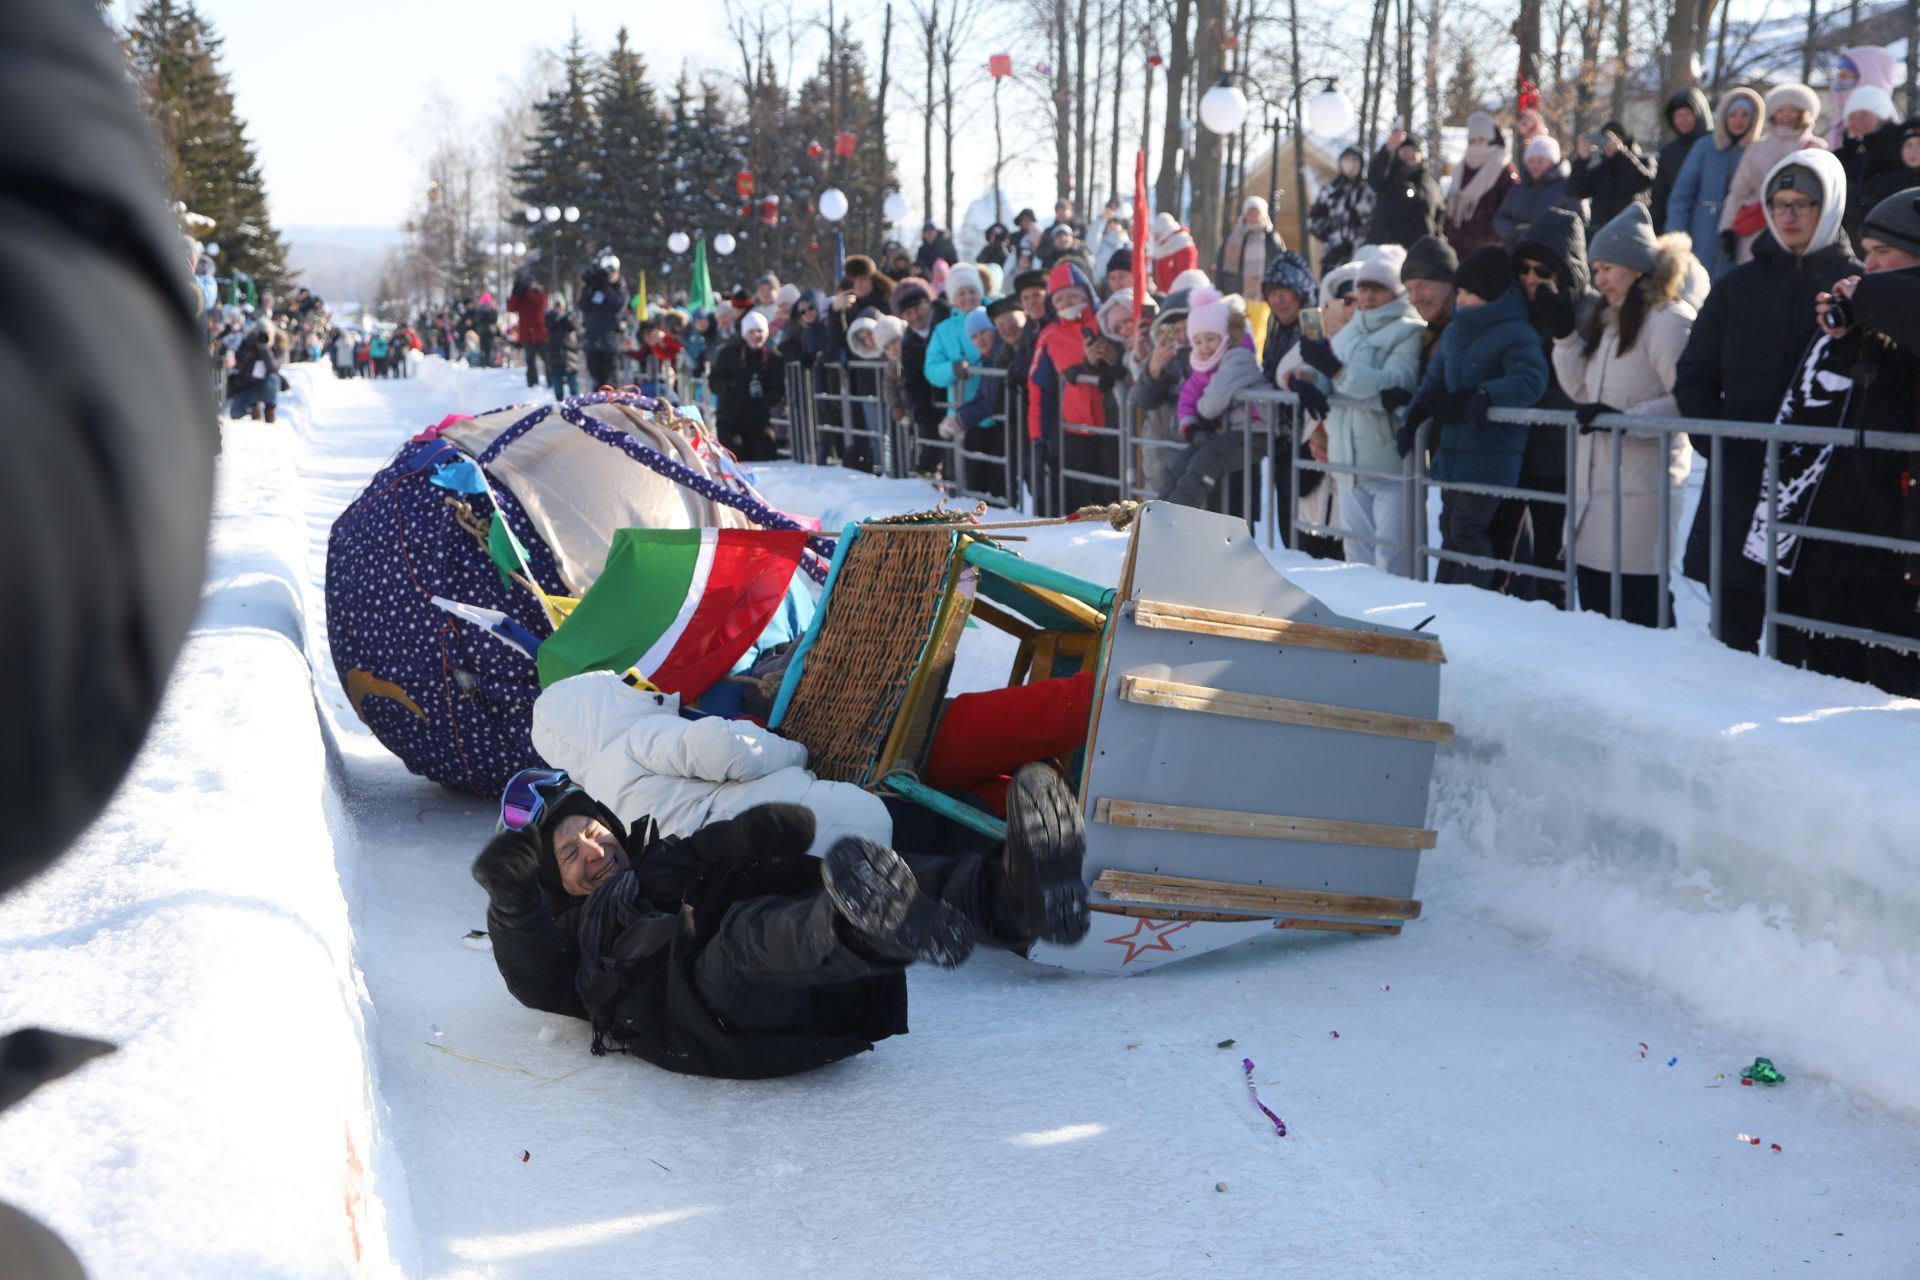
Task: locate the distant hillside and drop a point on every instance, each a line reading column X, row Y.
column 340, row 263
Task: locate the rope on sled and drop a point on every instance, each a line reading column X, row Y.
column 1118, row 514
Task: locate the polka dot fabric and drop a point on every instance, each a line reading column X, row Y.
column 453, row 703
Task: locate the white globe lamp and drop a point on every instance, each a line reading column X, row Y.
column 895, row 208
column 1223, row 108
column 573, row 213
column 1330, row 114
column 833, row 204
column 678, row 242
column 533, row 214
column 723, row 244
column 551, row 213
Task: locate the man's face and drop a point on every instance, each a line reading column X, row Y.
column 983, row 342
column 1350, row 165
column 766, row 294
column 1684, row 120
column 1882, row 256
column 916, row 315
column 588, row 854
column 1795, row 218
column 928, row 235
column 1033, row 300
column 755, row 337
column 862, row 286
column 1118, row 280
column 1284, row 303
column 1063, row 212
column 1430, row 299
column 1408, row 153
column 1009, row 323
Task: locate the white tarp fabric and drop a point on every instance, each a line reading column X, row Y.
column 577, row 491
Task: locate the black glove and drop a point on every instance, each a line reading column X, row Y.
column 1403, row 438
column 1474, row 412
column 1584, row 414
column 1394, row 399
column 1554, row 308
column 1317, row 353
column 509, row 870
column 1313, row 401
column 1449, row 405
column 1729, row 245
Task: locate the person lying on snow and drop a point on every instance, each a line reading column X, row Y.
column 729, row 952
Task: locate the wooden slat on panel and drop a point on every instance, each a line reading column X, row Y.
column 1228, row 917
column 1179, row 891
column 1263, row 826
column 1254, row 706
column 1310, row 635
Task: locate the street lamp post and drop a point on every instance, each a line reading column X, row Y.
column 1330, row 114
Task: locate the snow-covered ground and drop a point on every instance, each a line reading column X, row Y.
column 1645, row 840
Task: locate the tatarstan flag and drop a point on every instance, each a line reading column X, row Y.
column 682, row 605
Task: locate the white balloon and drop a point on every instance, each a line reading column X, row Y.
column 678, row 242
column 1223, row 108
column 833, row 204
column 895, row 208
column 723, row 244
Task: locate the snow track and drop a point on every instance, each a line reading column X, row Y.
column 1643, row 839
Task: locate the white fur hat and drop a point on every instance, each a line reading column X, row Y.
column 1191, row 278
column 751, row 321
column 1380, row 264
column 965, row 276
column 1871, row 97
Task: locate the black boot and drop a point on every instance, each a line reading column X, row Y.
column 874, row 890
column 1041, row 890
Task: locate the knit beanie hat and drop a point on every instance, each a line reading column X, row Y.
column 1543, row 146
column 1627, row 241
column 1207, row 313
column 1191, row 278
column 788, row 295
column 1487, row 272
column 1481, row 125
column 1895, row 220
column 1380, row 264
column 978, row 321
column 965, row 276
column 908, row 293
column 1122, row 260
column 751, row 321
column 1430, row 258
column 1871, row 97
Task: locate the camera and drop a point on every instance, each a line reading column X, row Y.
column 1838, row 315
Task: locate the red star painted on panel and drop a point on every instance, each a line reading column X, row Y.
column 1155, row 939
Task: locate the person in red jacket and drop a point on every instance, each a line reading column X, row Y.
column 1172, row 251
column 1058, row 404
column 528, row 301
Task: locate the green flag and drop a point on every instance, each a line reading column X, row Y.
column 700, row 296
column 505, row 551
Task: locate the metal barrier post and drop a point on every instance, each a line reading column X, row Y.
column 1567, row 557
column 1123, row 403
column 1716, row 494
column 1289, row 532
column 1410, row 496
column 1768, row 640
column 1614, row 587
column 846, row 414
column 1664, row 617
column 1246, row 464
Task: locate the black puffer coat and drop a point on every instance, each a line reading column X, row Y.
column 1560, row 237
column 1674, row 154
column 1407, row 202
column 1746, row 344
column 1609, row 183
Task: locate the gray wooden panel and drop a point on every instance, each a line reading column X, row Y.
column 1279, row 864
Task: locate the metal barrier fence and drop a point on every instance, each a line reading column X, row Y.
column 1772, row 528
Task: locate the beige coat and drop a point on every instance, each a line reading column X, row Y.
column 1638, row 382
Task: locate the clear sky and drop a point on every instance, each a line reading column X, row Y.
column 332, row 94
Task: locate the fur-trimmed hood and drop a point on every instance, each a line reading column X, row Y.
column 1722, row 134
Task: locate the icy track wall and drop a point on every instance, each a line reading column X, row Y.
column 201, row 925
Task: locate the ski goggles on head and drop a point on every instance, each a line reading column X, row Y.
column 525, row 797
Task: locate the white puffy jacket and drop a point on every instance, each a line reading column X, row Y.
column 633, row 753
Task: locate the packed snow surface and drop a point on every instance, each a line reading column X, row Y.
column 1657, row 861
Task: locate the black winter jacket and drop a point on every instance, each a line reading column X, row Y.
column 1611, row 183
column 1559, row 236
column 1674, row 154
column 1407, row 202
column 603, row 308
column 1746, row 343
column 747, row 386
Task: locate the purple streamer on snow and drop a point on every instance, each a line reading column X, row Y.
column 1279, row 1125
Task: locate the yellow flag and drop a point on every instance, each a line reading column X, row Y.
column 640, row 298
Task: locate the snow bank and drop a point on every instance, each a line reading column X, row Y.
column 1724, row 828
column 200, row 924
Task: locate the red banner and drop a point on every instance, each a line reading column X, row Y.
column 1000, row 64
column 1139, row 236
column 845, row 144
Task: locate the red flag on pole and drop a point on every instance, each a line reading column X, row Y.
column 999, row 64
column 1139, row 235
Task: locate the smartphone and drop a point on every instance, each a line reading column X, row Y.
column 1311, row 324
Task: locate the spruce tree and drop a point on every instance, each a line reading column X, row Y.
column 633, row 163
column 702, row 152
column 559, row 170
column 173, row 56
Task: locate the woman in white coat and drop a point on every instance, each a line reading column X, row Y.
column 1622, row 360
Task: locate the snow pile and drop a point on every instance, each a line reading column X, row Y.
column 200, row 924
column 1716, row 825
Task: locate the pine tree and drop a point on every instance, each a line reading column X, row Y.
column 559, row 171
column 173, row 56
column 702, row 152
column 629, row 216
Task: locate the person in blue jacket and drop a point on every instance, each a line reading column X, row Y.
column 1701, row 187
column 950, row 350
column 1489, row 358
